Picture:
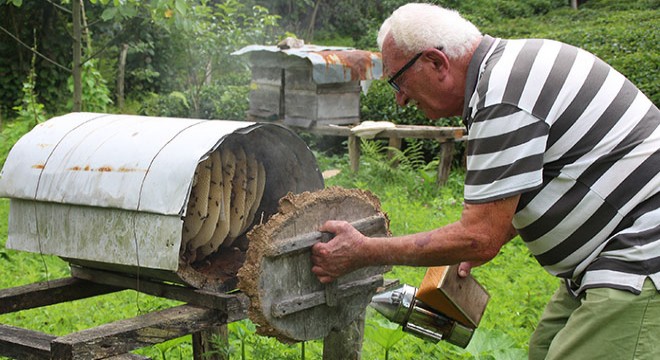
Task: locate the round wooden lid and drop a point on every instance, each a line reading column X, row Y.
column 287, row 300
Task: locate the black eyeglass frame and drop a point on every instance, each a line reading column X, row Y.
column 408, row 65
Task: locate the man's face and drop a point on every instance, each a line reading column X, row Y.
column 421, row 79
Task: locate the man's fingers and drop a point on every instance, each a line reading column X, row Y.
column 322, row 275
column 464, row 269
column 332, row 226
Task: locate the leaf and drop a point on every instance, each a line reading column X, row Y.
column 181, row 7
column 109, row 13
column 383, row 336
column 489, row 341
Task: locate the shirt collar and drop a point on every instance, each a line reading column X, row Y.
column 473, row 72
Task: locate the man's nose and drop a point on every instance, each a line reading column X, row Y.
column 401, row 98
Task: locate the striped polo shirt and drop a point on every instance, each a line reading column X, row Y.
column 581, row 145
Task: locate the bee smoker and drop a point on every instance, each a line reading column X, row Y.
column 445, row 307
column 400, row 306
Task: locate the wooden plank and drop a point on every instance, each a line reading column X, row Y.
column 122, row 336
column 48, row 293
column 441, row 133
column 367, row 226
column 306, row 301
column 21, row 343
column 233, row 305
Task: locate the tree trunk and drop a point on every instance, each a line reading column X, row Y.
column 574, row 4
column 120, row 76
column 312, row 23
column 77, row 55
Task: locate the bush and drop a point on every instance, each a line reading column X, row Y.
column 228, row 102
column 632, row 50
column 174, row 104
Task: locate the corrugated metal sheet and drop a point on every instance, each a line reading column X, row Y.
column 330, row 64
column 114, row 188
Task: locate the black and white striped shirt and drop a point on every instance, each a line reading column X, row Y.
column 581, row 145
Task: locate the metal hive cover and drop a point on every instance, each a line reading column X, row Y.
column 114, row 188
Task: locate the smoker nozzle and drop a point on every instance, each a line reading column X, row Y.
column 400, row 306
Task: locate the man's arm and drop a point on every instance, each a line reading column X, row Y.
column 477, row 237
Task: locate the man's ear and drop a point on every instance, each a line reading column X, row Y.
column 438, row 59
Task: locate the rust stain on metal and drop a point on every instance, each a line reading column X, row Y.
column 104, row 169
column 356, row 63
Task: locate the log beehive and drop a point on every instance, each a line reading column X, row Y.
column 165, row 198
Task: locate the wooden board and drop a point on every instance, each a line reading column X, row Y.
column 462, row 299
column 287, row 300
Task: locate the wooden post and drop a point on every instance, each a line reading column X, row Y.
column 444, row 167
column 354, row 152
column 346, row 343
column 203, row 345
column 395, row 142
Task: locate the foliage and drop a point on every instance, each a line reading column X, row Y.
column 634, row 51
column 208, row 34
column 28, row 114
column 174, row 104
column 30, row 111
column 95, row 93
column 487, row 12
column 25, row 20
column 384, row 333
column 228, row 102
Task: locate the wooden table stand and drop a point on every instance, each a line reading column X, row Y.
column 204, row 315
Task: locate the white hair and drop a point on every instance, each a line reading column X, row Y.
column 416, row 27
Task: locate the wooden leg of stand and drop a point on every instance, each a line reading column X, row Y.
column 446, row 156
column 395, row 143
column 354, row 152
column 346, row 343
column 204, row 346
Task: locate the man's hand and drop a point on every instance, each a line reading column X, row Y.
column 338, row 256
column 465, row 267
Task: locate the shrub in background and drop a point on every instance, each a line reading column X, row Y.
column 217, row 102
column 174, row 104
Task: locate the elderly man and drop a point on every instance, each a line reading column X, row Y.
column 562, row 150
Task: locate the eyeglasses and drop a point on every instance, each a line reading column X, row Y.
column 392, row 80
